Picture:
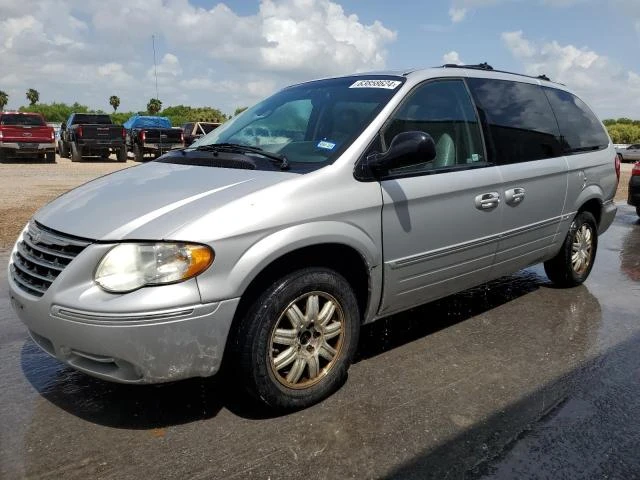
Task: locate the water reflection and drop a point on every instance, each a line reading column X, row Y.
column 630, row 254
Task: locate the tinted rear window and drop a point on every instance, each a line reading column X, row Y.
column 27, row 120
column 581, row 130
column 518, row 121
column 89, row 119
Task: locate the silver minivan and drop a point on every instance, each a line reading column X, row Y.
column 332, row 203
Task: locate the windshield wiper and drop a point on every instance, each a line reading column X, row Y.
column 281, row 160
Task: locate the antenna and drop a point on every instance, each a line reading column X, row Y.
column 155, row 68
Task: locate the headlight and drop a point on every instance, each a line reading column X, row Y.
column 129, row 266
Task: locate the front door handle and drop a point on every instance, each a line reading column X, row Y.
column 487, row 201
column 514, row 196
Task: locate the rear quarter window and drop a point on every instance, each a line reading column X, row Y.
column 581, row 130
column 518, row 121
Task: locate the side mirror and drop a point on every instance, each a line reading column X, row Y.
column 407, row 148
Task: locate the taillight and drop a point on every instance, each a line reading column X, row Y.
column 616, row 162
column 53, row 135
column 143, row 136
column 124, row 134
column 181, row 137
column 79, row 131
column 0, row 134
column 635, row 171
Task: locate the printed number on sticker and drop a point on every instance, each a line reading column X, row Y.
column 388, row 84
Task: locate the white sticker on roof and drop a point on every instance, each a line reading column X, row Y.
column 388, row 84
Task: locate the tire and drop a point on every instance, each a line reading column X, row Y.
column 138, row 153
column 583, row 237
column 63, row 150
column 76, row 153
column 50, row 157
column 316, row 365
column 121, row 154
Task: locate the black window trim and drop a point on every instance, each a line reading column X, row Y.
column 362, row 173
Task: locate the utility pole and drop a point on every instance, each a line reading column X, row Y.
column 155, row 67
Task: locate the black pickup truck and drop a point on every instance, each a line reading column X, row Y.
column 91, row 134
column 151, row 135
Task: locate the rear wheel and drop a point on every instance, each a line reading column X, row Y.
column 121, row 155
column 50, row 157
column 76, row 153
column 572, row 265
column 296, row 342
column 138, row 153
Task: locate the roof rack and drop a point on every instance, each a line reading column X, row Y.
column 485, row 66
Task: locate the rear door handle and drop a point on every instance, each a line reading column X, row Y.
column 514, row 196
column 487, row 201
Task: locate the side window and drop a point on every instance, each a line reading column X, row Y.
column 444, row 110
column 581, row 130
column 519, row 120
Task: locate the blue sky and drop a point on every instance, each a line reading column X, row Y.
column 233, row 54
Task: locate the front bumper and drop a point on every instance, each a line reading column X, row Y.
column 152, row 335
column 15, row 148
column 633, row 197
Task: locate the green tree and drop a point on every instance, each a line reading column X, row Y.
column 239, row 110
column 154, row 106
column 114, row 101
column 33, row 96
column 4, row 99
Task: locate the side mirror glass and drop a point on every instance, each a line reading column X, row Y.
column 407, row 148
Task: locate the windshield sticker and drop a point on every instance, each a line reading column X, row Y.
column 326, row 145
column 388, row 84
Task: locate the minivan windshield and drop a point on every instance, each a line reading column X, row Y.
column 310, row 124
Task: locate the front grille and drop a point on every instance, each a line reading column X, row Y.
column 41, row 255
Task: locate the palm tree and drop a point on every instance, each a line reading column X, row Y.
column 33, row 96
column 4, row 99
column 154, row 106
column 114, row 101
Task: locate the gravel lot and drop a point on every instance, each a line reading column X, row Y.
column 28, row 186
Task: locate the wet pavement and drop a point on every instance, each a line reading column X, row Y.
column 515, row 379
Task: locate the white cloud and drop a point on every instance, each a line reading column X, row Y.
column 609, row 89
column 452, row 58
column 457, row 14
column 106, row 48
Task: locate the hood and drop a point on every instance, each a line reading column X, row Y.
column 150, row 201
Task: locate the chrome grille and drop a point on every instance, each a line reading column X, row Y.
column 41, row 255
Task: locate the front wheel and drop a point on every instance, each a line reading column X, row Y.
column 294, row 346
column 573, row 263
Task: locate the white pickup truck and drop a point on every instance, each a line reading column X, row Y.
column 629, row 153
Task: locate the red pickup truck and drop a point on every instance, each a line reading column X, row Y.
column 26, row 135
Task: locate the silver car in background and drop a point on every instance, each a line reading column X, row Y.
column 330, row 204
